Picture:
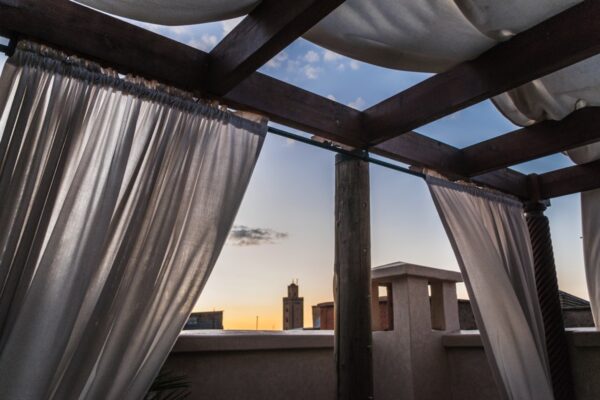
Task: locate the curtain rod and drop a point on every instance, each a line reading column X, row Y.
column 361, row 154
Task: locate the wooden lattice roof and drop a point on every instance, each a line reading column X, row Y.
column 228, row 74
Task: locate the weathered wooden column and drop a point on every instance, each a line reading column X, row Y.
column 353, row 338
column 547, row 290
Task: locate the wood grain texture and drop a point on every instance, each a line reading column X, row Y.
column 549, row 137
column 107, row 40
column 352, row 273
column 575, row 179
column 421, row 151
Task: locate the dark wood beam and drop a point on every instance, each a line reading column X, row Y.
column 298, row 108
column 421, row 151
column 110, row 41
column 562, row 40
column 505, row 180
column 130, row 49
column 575, row 179
column 352, row 277
column 267, row 30
column 580, row 128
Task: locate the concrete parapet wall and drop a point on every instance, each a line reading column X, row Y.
column 250, row 365
column 294, row 365
column 471, row 377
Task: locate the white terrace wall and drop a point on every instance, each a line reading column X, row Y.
column 424, row 356
column 250, row 365
column 471, row 378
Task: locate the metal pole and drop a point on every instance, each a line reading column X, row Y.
column 358, row 154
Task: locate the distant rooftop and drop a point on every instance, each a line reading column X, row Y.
column 568, row 301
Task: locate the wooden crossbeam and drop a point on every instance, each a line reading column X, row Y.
column 580, row 128
column 418, row 150
column 562, row 40
column 110, row 41
column 575, row 179
column 421, row 151
column 298, row 108
column 267, row 30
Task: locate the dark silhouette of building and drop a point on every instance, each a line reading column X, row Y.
column 293, row 309
column 205, row 320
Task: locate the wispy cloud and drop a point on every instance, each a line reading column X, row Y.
column 354, row 65
column 312, row 56
column 242, row 235
column 341, row 62
column 278, row 60
column 311, row 72
column 358, row 104
column 330, row 56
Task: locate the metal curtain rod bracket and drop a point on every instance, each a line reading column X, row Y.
column 9, row 49
column 360, row 154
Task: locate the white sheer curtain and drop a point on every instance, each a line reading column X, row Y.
column 489, row 236
column 590, row 221
column 116, row 198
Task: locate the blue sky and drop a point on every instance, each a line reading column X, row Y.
column 290, row 197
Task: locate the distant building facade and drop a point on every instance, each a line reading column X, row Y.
column 205, row 320
column 293, row 309
column 577, row 313
column 324, row 317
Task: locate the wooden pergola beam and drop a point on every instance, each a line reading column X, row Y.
column 562, row 40
column 107, row 40
column 298, row 108
column 549, row 137
column 570, row 180
column 421, row 151
column 268, row 29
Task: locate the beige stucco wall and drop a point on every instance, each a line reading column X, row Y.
column 471, row 377
column 226, row 365
column 294, row 365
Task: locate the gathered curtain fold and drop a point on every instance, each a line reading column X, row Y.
column 490, row 239
column 116, row 197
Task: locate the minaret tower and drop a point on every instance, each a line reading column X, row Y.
column 293, row 308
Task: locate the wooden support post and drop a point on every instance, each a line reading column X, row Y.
column 547, row 290
column 353, row 338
